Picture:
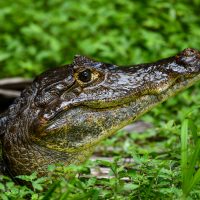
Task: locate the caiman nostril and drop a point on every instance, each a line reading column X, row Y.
column 189, row 59
column 190, row 52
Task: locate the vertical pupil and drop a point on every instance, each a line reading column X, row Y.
column 85, row 76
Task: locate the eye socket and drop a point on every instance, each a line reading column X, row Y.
column 85, row 76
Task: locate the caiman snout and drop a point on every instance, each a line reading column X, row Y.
column 178, row 72
column 188, row 62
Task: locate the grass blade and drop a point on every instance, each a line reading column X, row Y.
column 191, row 175
column 51, row 190
column 184, row 153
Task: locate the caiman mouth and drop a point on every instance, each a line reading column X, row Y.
column 145, row 102
column 161, row 95
column 180, row 84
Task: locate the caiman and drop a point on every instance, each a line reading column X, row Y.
column 68, row 110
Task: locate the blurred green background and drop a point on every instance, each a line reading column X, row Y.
column 35, row 35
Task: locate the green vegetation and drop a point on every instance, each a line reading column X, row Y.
column 39, row 34
column 190, row 175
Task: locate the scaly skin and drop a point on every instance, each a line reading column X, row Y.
column 62, row 116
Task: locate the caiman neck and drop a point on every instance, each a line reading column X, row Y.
column 27, row 156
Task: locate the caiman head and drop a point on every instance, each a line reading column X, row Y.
column 62, row 116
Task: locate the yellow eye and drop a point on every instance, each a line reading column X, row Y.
column 85, row 76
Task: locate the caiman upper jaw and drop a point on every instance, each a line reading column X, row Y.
column 178, row 72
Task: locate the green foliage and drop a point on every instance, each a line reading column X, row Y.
column 39, row 34
column 189, row 158
column 9, row 190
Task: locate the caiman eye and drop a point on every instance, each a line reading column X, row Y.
column 85, row 76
